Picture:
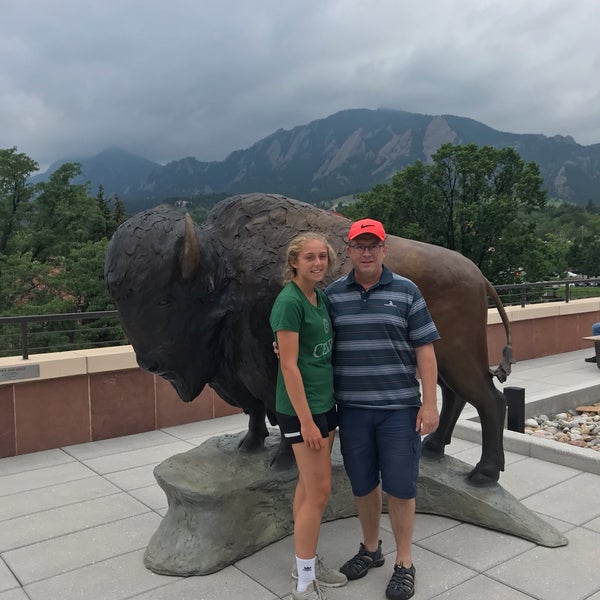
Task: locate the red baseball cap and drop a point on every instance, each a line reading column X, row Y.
column 366, row 226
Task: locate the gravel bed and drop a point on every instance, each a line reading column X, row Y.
column 569, row 427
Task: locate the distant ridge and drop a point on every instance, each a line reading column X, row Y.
column 347, row 152
column 118, row 171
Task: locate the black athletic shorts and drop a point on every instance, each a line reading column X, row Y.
column 290, row 425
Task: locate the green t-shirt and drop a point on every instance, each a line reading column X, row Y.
column 293, row 312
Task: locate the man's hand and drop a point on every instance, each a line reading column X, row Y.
column 428, row 419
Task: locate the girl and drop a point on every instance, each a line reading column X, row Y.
column 305, row 404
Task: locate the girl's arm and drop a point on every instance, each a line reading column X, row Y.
column 288, row 343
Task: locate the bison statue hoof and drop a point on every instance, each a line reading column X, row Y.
column 252, row 443
column 283, row 460
column 432, row 451
column 480, row 479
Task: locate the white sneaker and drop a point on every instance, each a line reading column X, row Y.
column 325, row 576
column 312, row 592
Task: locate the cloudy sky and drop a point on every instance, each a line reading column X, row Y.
column 170, row 79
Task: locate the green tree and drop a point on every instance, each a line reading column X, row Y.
column 15, row 192
column 82, row 277
column 29, row 286
column 119, row 214
column 61, row 215
column 470, row 199
column 591, row 257
column 104, row 208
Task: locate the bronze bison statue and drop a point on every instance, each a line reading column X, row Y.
column 194, row 302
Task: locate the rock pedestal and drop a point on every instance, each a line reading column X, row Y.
column 225, row 505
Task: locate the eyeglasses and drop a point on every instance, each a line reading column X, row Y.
column 360, row 249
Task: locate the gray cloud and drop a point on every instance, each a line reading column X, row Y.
column 188, row 78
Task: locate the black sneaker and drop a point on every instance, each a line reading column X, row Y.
column 359, row 565
column 402, row 583
column 591, row 359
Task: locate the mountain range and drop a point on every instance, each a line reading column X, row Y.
column 347, row 152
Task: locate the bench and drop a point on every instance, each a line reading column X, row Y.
column 596, row 340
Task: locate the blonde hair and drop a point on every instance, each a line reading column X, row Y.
column 295, row 247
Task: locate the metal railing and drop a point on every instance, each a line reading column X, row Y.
column 101, row 328
column 89, row 329
column 561, row 290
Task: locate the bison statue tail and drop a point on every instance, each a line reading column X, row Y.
column 502, row 371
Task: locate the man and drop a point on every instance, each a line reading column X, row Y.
column 383, row 333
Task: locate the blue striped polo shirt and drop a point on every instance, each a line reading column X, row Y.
column 374, row 361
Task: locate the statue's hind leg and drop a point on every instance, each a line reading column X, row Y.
column 492, row 410
column 478, row 390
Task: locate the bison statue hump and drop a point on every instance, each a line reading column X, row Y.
column 194, row 302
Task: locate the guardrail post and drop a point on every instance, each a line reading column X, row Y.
column 24, row 342
column 515, row 403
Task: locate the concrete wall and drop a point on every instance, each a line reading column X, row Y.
column 95, row 394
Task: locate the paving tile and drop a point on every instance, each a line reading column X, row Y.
column 574, row 501
column 33, row 460
column 457, row 445
column 15, row 594
column 472, row 456
column 114, row 579
column 482, row 587
column 470, row 546
column 130, row 479
column 435, row 574
column 594, row 525
column 226, row 584
column 536, row 388
column 198, row 441
column 40, row 526
column 61, row 555
column 559, row 525
column 135, row 458
column 116, row 445
column 210, row 427
column 338, row 541
column 425, row 525
column 53, row 496
column 530, row 476
column 555, row 573
column 151, row 496
column 563, row 377
column 7, row 579
column 39, row 478
column 271, row 567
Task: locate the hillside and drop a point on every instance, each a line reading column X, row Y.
column 342, row 154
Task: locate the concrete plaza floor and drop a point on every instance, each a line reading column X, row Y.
column 74, row 521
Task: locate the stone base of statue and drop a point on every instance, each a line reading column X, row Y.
column 225, row 505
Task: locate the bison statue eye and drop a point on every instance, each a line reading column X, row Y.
column 164, row 301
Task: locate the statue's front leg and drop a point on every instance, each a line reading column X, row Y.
column 254, row 440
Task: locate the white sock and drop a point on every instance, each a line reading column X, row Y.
column 306, row 572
